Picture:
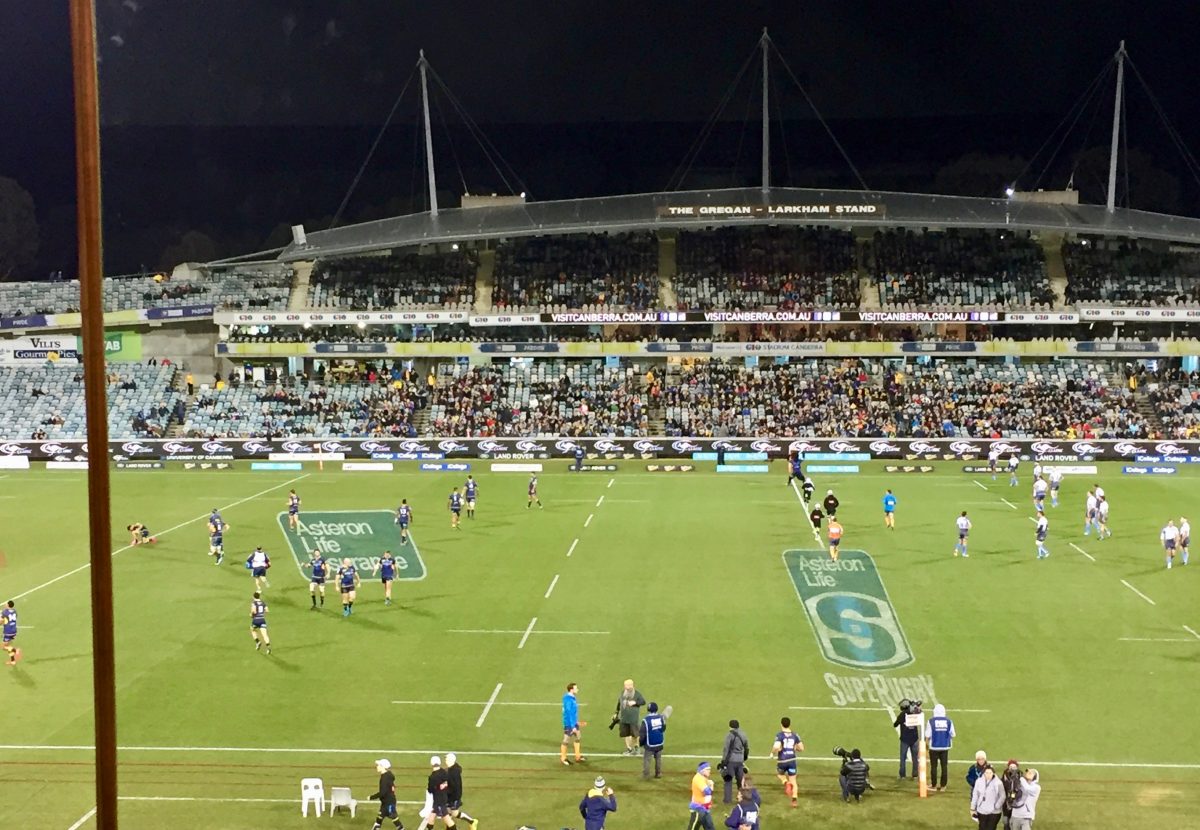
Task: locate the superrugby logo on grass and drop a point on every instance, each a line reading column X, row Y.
column 361, row 535
column 849, row 610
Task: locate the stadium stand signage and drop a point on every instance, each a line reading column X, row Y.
column 875, row 210
column 186, row 312
column 451, row 449
column 1140, row 314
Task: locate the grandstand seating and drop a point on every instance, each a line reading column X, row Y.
column 780, row 267
column 47, row 401
column 1176, row 403
column 592, row 272
column 404, row 281
column 981, row 269
column 1124, row 273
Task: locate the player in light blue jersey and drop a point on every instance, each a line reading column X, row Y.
column 1013, row 463
column 293, row 508
column 258, row 623
column 1039, row 494
column 1055, row 483
column 404, row 517
column 8, row 622
column 889, row 510
column 387, row 567
column 455, row 504
column 1043, row 528
column 533, row 493
column 964, row 531
column 316, row 580
column 471, row 490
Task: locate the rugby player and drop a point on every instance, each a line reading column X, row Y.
column 258, row 623
column 387, row 564
column 787, row 744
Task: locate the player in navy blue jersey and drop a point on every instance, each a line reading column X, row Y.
column 795, row 471
column 787, row 744
column 216, row 536
column 348, row 582
column 533, row 493
column 8, row 619
column 140, row 534
column 316, row 580
column 387, row 569
column 293, row 508
column 404, row 517
column 455, row 504
column 258, row 623
column 471, row 490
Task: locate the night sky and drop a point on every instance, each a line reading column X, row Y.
column 286, row 63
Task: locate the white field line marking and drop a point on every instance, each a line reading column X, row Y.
column 867, row 709
column 1191, row 631
column 611, row 481
column 84, row 819
column 87, row 565
column 589, row 519
column 550, row 590
column 815, row 533
column 1084, row 552
column 260, row 750
column 525, row 636
column 518, row 631
column 488, row 706
column 978, row 484
column 600, row 501
column 1155, row 640
column 1009, row 503
column 214, row 799
column 571, row 549
column 473, row 703
column 1139, row 593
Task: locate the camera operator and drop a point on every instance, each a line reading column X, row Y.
column 733, row 759
column 853, row 775
column 1011, row 779
column 909, row 735
column 1023, row 811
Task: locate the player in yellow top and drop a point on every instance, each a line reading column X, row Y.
column 702, row 797
column 835, row 538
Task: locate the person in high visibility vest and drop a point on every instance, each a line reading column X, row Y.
column 835, row 537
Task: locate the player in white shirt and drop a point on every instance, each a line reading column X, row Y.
column 993, row 460
column 1099, row 491
column 1102, row 530
column 1043, row 527
column 1039, row 493
column 1169, row 536
column 964, row 530
column 1089, row 512
column 1185, row 532
column 1055, row 483
column 1013, row 462
column 1037, row 470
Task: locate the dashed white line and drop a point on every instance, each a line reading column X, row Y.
column 1191, row 631
column 1153, row 640
column 611, row 481
column 525, row 636
column 600, row 501
column 980, row 485
column 589, row 519
column 1084, row 552
column 571, row 549
column 488, row 706
column 550, row 590
column 1009, row 503
column 1139, row 593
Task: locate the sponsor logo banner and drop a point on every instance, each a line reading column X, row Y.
column 908, row 468
column 276, row 465
column 1073, row 469
column 61, row 465
column 848, row 607
column 848, row 690
column 833, row 468
column 519, row 348
column 837, row 456
column 186, row 312
column 593, row 468
column 730, row 456
column 368, row 466
column 502, row 467
column 1149, row 471
column 669, row 468
column 139, row 465
column 451, row 467
column 37, row 350
column 359, row 535
column 743, row 468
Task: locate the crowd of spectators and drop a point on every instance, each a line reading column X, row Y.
column 546, row 398
column 980, row 269
column 1122, row 272
column 609, row 272
column 1174, row 395
column 444, row 281
column 782, row 267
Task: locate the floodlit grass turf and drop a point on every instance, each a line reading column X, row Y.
column 683, row 574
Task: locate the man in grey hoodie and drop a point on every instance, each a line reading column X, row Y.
column 733, row 759
column 1025, row 806
column 987, row 799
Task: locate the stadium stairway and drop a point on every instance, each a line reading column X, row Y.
column 868, row 288
column 485, row 281
column 666, row 269
column 1055, row 269
column 298, row 299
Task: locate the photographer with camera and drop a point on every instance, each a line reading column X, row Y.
column 1024, row 809
column 1011, row 779
column 733, row 759
column 853, row 775
column 909, row 735
column 628, row 716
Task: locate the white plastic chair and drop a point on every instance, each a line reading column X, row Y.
column 340, row 797
column 312, row 789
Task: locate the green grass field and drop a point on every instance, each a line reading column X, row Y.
column 1083, row 665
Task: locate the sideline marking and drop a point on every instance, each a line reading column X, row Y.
column 979, row 485
column 520, row 631
column 518, row 754
column 867, row 709
column 472, row 703
column 1009, row 503
column 525, row 636
column 83, row 819
column 600, row 501
column 589, row 519
column 816, row 534
column 87, row 565
column 1153, row 640
column 571, row 549
column 234, row 800
column 611, row 481
column 488, row 706
column 1084, row 552
column 1139, row 593
column 1191, row 631
column 550, row 590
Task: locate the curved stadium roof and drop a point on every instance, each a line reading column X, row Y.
column 653, row 211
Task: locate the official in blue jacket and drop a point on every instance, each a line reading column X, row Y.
column 597, row 804
column 651, row 736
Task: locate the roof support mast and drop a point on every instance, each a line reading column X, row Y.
column 1116, row 130
column 766, row 128
column 433, row 205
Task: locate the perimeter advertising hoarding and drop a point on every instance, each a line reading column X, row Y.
column 450, row 449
